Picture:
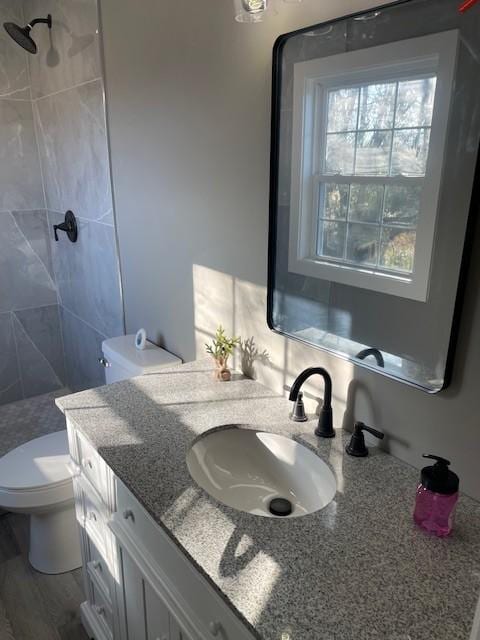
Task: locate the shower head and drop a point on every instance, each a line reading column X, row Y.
column 22, row 36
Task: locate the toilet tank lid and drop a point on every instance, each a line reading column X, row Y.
column 122, row 351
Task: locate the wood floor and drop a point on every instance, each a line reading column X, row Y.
column 34, row 606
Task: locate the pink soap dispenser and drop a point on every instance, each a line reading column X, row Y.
column 437, row 496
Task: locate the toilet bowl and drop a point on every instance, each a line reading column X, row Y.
column 35, row 479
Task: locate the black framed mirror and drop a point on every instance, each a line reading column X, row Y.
column 374, row 185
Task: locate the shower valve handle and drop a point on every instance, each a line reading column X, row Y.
column 69, row 226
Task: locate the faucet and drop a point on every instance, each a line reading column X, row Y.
column 372, row 351
column 325, row 422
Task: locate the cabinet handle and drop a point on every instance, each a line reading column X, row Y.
column 104, row 362
column 99, row 610
column 128, row 515
column 92, row 515
column 87, row 463
column 96, row 565
column 215, row 627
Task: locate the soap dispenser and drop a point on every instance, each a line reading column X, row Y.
column 437, row 496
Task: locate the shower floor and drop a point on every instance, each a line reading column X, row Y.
column 27, row 419
column 33, row 606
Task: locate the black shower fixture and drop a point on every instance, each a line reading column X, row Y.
column 21, row 35
column 69, row 225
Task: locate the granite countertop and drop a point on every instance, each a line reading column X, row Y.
column 358, row 569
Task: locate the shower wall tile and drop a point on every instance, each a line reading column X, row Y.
column 14, row 79
column 68, row 55
column 63, row 111
column 24, row 279
column 34, row 226
column 11, row 393
column 42, row 326
column 10, row 384
column 83, row 348
column 87, row 275
column 108, row 218
column 73, row 150
column 20, row 177
column 37, row 374
column 69, row 114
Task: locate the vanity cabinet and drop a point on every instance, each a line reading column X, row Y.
column 139, row 585
column 145, row 613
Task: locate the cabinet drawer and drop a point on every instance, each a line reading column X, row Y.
column 135, row 519
column 93, row 467
column 101, row 608
column 95, row 523
column 193, row 602
column 98, row 567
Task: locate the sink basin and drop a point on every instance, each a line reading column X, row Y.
column 261, row 473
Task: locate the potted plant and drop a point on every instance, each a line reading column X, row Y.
column 221, row 349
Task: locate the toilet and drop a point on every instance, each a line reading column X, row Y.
column 35, row 478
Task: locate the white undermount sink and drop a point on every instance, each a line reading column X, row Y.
column 248, row 469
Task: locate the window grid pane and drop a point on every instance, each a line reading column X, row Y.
column 342, row 142
column 385, row 244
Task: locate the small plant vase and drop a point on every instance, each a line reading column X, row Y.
column 222, row 372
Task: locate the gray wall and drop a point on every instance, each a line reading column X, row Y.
column 68, row 105
column 31, row 351
column 189, row 110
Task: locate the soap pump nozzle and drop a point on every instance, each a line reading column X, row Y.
column 438, row 477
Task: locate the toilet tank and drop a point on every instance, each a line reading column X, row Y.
column 122, row 360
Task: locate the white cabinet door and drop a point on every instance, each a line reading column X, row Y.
column 145, row 613
column 132, row 592
column 157, row 615
column 176, row 632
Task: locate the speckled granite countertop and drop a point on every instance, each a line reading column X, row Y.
column 359, row 569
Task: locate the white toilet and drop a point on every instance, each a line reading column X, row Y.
column 35, row 478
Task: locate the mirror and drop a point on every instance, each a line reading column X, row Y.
column 375, row 135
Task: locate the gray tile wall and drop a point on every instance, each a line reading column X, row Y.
column 69, row 113
column 14, row 80
column 20, row 178
column 58, row 301
column 31, row 347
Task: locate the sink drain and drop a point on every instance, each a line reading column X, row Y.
column 280, row 507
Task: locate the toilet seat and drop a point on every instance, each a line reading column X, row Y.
column 36, row 475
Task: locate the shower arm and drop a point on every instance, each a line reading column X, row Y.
column 47, row 21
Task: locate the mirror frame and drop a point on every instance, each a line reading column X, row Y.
column 474, row 211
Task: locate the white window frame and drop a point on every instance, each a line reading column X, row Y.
column 312, row 80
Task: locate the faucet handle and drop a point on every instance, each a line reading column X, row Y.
column 357, row 447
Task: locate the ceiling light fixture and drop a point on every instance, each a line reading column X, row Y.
column 256, row 10
column 250, row 10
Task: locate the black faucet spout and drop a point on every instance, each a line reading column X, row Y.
column 325, row 421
